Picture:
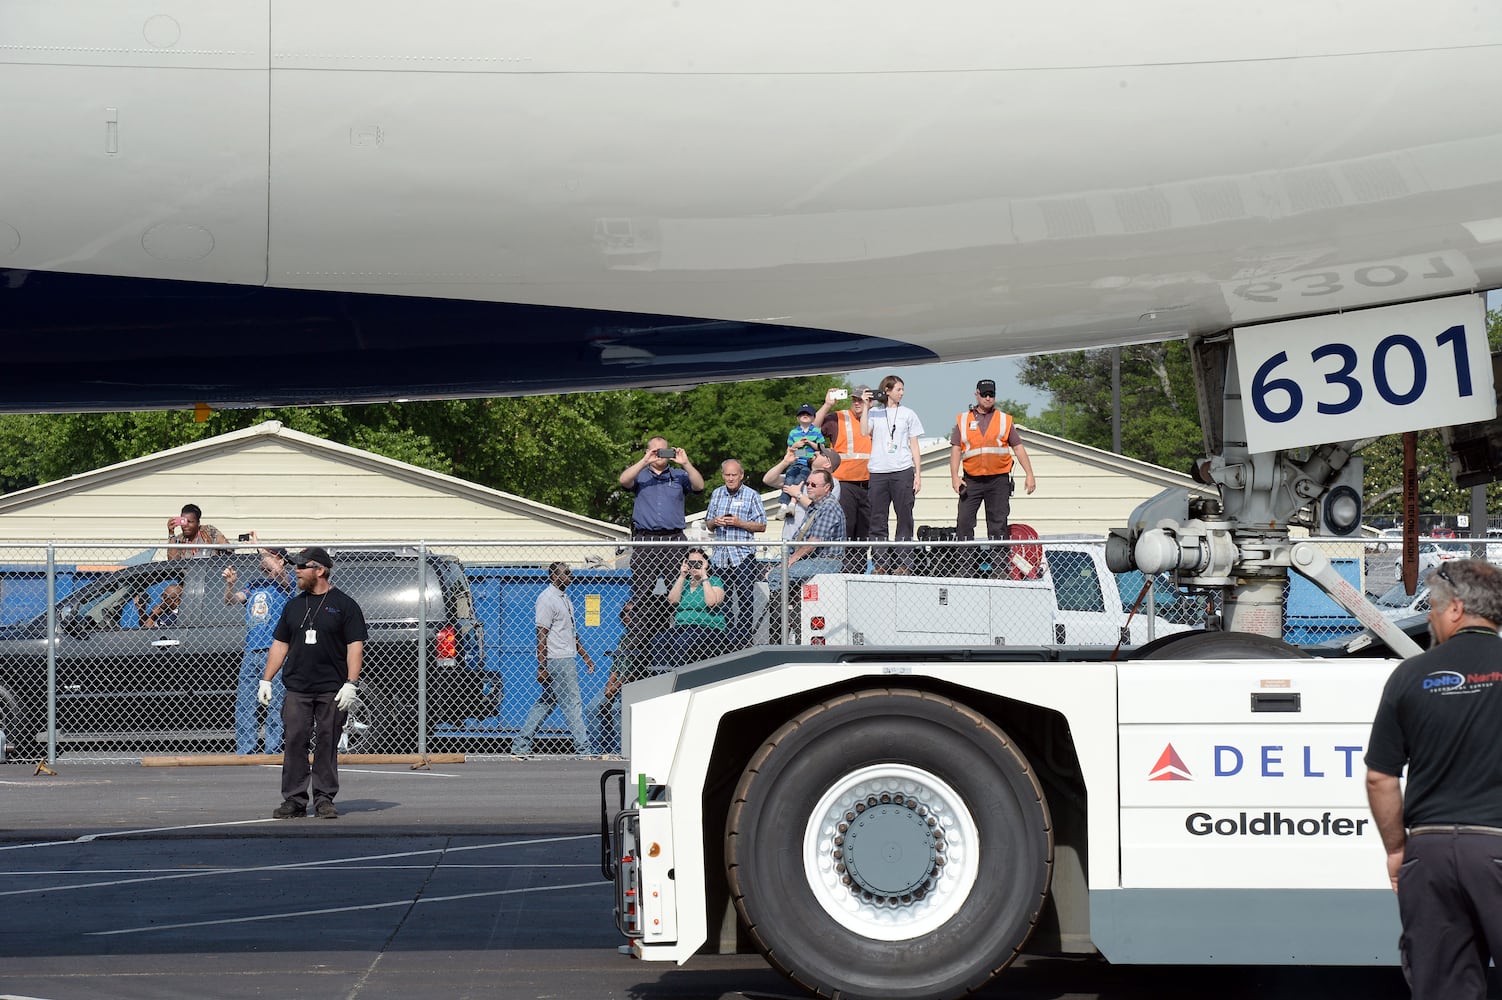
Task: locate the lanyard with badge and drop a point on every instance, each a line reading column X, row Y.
column 310, row 635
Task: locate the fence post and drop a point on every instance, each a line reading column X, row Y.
column 422, row 648
column 51, row 653
column 787, row 594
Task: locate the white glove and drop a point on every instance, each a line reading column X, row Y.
column 346, row 696
column 263, row 693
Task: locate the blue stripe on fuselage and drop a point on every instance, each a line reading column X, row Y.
column 84, row 342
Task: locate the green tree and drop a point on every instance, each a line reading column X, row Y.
column 1160, row 421
column 1438, row 494
column 562, row 450
column 1159, row 415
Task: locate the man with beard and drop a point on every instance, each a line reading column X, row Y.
column 319, row 648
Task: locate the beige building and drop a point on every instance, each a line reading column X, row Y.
column 286, row 486
column 1081, row 490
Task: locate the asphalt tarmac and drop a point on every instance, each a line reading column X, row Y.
column 467, row 880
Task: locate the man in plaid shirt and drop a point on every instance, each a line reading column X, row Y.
column 824, row 522
column 734, row 514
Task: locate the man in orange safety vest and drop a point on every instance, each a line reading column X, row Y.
column 983, row 445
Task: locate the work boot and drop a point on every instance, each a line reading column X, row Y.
column 325, row 810
column 289, row 810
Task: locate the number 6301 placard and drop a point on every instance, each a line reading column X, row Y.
column 1359, row 374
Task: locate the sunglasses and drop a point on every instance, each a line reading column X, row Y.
column 1443, row 574
column 308, row 565
column 986, row 395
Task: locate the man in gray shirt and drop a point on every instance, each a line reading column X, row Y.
column 557, row 669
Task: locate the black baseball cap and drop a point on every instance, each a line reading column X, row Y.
column 986, row 386
column 314, row 555
column 277, row 551
column 807, row 408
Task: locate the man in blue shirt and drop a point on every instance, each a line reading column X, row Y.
column 734, row 515
column 263, row 600
column 657, row 519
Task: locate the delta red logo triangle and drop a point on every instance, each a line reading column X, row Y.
column 1170, row 767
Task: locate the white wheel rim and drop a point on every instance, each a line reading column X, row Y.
column 922, row 795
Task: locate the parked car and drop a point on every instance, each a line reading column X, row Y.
column 172, row 685
column 1431, row 554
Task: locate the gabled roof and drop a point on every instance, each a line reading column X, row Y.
column 1037, row 441
column 273, row 431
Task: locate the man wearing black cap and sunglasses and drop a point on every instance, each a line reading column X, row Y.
column 320, row 641
column 984, row 443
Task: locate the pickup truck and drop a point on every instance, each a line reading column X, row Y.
column 1070, row 598
column 170, row 686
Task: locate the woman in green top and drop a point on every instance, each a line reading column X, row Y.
column 698, row 630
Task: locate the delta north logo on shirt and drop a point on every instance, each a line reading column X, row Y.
column 1170, row 767
column 1455, row 682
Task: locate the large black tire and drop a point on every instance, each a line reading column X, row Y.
column 889, row 844
column 1221, row 646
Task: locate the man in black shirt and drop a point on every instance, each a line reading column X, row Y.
column 320, row 641
column 1440, row 715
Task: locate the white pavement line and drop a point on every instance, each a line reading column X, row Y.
column 89, row 838
column 295, row 866
column 345, row 909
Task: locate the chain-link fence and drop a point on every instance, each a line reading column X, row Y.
column 111, row 653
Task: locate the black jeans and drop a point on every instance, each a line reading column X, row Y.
column 855, row 501
column 1450, row 899
column 894, row 490
column 653, row 563
column 996, row 492
column 308, row 716
column 740, row 590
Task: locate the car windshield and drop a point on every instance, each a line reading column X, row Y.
column 1397, row 598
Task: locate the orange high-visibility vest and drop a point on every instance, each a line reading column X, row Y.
column 855, row 450
column 985, row 454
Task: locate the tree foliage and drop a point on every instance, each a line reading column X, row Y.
column 1159, row 415
column 1160, row 421
column 562, row 450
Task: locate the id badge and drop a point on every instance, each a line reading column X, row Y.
column 310, row 637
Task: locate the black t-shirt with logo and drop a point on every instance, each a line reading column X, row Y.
column 1441, row 714
column 336, row 621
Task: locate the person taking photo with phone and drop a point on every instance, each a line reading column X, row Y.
column 699, row 626
column 852, row 473
column 657, row 519
column 187, row 529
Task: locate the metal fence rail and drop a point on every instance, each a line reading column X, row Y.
column 110, row 653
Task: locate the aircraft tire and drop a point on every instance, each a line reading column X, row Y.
column 1222, row 646
column 889, row 844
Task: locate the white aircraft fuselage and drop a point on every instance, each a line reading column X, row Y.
column 242, row 201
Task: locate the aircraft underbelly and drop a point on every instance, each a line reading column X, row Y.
column 968, row 181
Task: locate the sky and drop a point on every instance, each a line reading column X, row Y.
column 939, row 392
